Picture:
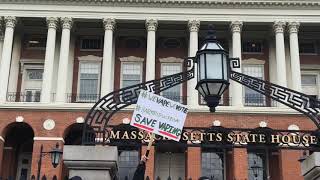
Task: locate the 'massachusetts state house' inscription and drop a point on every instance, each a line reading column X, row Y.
column 223, row 137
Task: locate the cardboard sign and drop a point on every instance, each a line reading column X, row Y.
column 159, row 115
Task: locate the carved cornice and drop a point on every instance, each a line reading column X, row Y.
column 10, row 21
column 194, row 25
column 52, row 22
column 185, row 3
column 109, row 23
column 236, row 26
column 278, row 26
column 66, row 22
column 151, row 24
column 293, row 27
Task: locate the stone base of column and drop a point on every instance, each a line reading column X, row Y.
column 91, row 162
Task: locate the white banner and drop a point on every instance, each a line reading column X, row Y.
column 159, row 115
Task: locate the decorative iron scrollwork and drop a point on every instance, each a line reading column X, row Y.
column 98, row 117
column 291, row 98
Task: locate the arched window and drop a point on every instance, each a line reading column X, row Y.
column 133, row 43
column 212, row 164
column 171, row 43
column 257, row 167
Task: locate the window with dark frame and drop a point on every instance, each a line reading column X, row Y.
column 35, row 42
column 92, row 43
column 128, row 161
column 257, row 165
column 133, row 43
column 307, row 47
column 212, row 164
column 251, row 47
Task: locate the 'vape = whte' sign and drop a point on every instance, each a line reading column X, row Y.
column 159, row 115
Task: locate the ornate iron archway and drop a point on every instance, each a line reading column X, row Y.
column 96, row 121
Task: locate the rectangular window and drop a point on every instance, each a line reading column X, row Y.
column 251, row 47
column 128, row 162
column 92, row 43
column 257, row 167
column 174, row 93
column 35, row 42
column 307, row 47
column 32, row 95
column 251, row 97
column 309, row 83
column 212, row 164
column 89, row 78
column 131, row 73
column 32, row 84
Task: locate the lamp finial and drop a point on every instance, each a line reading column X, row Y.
column 211, row 32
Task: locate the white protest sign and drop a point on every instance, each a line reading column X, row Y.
column 159, row 115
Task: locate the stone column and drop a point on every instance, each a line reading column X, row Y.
column 107, row 64
column 278, row 27
column 294, row 54
column 49, row 60
column 10, row 23
column 192, row 99
column 1, row 38
column 151, row 25
column 91, row 162
column 236, row 89
column 63, row 60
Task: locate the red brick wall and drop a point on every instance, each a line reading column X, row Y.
column 150, row 166
column 193, row 163
column 240, row 164
column 289, row 166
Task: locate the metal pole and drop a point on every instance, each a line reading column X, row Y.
column 40, row 162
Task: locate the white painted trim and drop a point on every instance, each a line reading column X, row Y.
column 37, row 138
column 171, row 60
column 90, row 58
column 253, row 61
column 2, row 139
column 131, row 59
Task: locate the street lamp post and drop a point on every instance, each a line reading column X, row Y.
column 55, row 158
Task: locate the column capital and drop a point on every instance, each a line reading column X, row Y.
column 66, row 22
column 236, row 26
column 194, row 25
column 10, row 21
column 52, row 22
column 109, row 23
column 293, row 27
column 151, row 24
column 278, row 26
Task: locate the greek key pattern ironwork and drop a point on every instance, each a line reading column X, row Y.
column 291, row 98
column 100, row 114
